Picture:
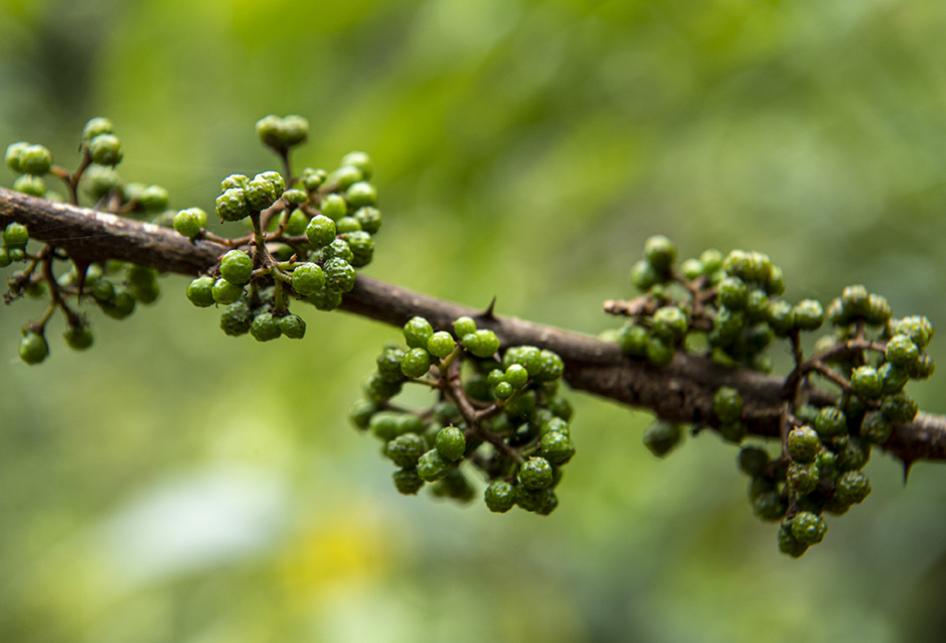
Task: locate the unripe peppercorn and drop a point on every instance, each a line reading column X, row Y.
column 692, row 269
column 338, row 249
column 259, row 194
column 732, row 431
column 347, row 224
column 225, row 292
column 517, row 376
column 830, row 422
column 12, row 156
column 33, row 348
column 556, row 447
column 320, row 231
column 535, row 473
column 712, row 260
column 236, row 318
column 803, row 444
column 361, row 194
column 644, row 275
column 787, row 544
column 451, row 444
column 852, row 488
column 633, row 340
column 917, row 328
column 802, row 477
column 855, row 300
column 189, row 222
column 106, row 149
column 866, row 382
column 727, row 404
column 405, row 450
column 35, row 159
column 878, row 310
column 307, row 279
column 369, row 218
column 417, row 331
column 752, row 460
column 660, row 252
column 899, row 408
column 333, row 206
column 359, row 160
column 463, row 326
column 234, row 181
column 408, row 481
column 432, row 467
column 808, row 315
column 415, row 363
column 775, row 284
column 292, row 326
column 440, row 344
column 893, row 378
column 265, row 328
column 875, row 427
column 482, row 343
column 551, row 366
column 361, row 412
column 923, row 368
column 669, row 323
column 732, row 293
column 660, row 352
column 200, row 292
column 15, row 235
column 500, row 496
column 901, row 351
column 661, row 437
column 79, row 337
column 153, row 198
column 96, row 126
column 236, row 267
column 769, row 506
column 325, row 299
column 503, row 390
column 808, row 528
column 29, row 184
column 232, row 205
column 339, row 275
column 362, row 247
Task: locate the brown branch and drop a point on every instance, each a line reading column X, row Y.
column 680, row 392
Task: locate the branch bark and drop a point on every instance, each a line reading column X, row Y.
column 679, row 392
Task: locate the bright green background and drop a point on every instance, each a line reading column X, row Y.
column 176, row 485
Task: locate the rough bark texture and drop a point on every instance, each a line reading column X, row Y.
column 680, row 392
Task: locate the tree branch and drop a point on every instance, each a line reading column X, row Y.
column 680, row 392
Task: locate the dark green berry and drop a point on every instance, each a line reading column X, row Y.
column 692, row 269
column 923, row 368
column 661, row 437
column 503, row 390
column 556, row 447
column 659, row 351
column 451, row 444
column 320, row 231
column 297, row 222
column 753, row 460
column 232, row 205
column 917, row 328
column 775, row 284
column 866, row 382
column 236, row 318
column 200, row 292
column 878, row 310
column 408, row 481
column 29, row 184
column 482, row 343
column 551, row 366
column 15, row 235
column 307, row 279
column 35, row 159
column 732, row 431
column 334, row 206
column 325, row 299
column 463, row 326
column 894, row 378
column 803, row 444
column 153, row 198
column 808, row 528
column 900, row 408
column 769, row 506
column 440, row 344
column 389, row 365
column 536, row 473
column 405, row 450
column 500, row 496
column 727, row 404
column 432, row 467
column 644, row 275
column 369, row 218
column 417, row 332
column 362, row 247
column 339, row 275
column 5, row 258
column 660, row 252
column 259, row 194
column 225, row 292
column 189, row 222
column 855, row 300
column 830, row 422
column 338, row 249
column 292, row 326
column 808, row 315
column 385, row 425
column 852, row 488
column 669, row 323
column 712, row 260
column 265, row 327
column 236, row 267
column 516, row 375
column 33, row 348
column 347, row 224
column 106, row 149
column 901, row 351
column 346, row 176
column 79, row 337
column 633, row 340
column 802, row 477
column 875, row 427
column 415, row 363
column 787, row 544
column 361, row 412
column 732, row 293
column 361, row 194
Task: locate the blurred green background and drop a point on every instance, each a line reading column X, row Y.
column 176, row 485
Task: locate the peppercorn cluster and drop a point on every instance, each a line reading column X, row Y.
column 309, row 234
column 728, row 308
column 115, row 287
column 496, row 411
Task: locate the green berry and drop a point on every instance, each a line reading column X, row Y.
column 260, row 194
column 830, row 422
column 503, row 390
column 899, row 408
column 769, row 506
column 297, row 222
column 338, row 249
column 633, row 340
column 295, row 129
column 808, row 528
column 660, row 252
column 35, row 159
column 500, row 496
column 361, row 412
column 417, row 332
column 389, row 365
column 33, row 348
column 15, row 235
column 875, row 427
column 405, row 450
column 516, row 375
column 225, row 292
column 415, row 363
column 866, row 382
column 121, row 306
column 5, row 258
column 692, row 269
column 463, row 326
column 200, row 292
column 369, row 218
column 265, row 327
column 852, row 488
column 339, row 275
column 669, row 323
column 362, row 247
column 236, row 267
column 556, row 447
column 232, row 205
column 732, row 431
column 106, row 149
column 313, row 179
column 803, row 444
column 292, row 326
column 901, row 350
column 923, row 368
column 727, row 326
column 334, row 206
column 855, row 300
column 787, row 544
column 775, row 284
column 12, row 156
column 307, row 279
column 659, row 351
column 385, row 425
column 346, row 176
column 79, row 337
column 153, row 198
column 103, row 291
column 878, row 310
column 482, row 343
column 451, row 444
column 189, row 222
column 234, row 181
column 732, row 293
column 96, row 127
column 325, row 299
column 275, row 180
column 894, row 378
column 440, row 344
column 347, row 224
column 753, row 460
column 236, row 318
column 359, row 160
column 29, row 184
column 295, row 197
column 555, row 425
column 432, row 467
column 727, row 404
column 808, row 315
column 407, row 481
column 551, row 367
column 661, row 437
column 361, row 194
column 712, row 261
column 802, row 477
column 917, row 328
column 320, row 231
column 536, row 473
column 644, row 275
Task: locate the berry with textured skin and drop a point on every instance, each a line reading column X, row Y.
column 232, row 205
column 536, row 473
column 732, row 431
column 830, row 422
column 320, row 231
column 359, row 160
column 692, row 269
column 551, row 366
column 803, row 444
column 855, row 300
column 802, row 477
column 346, row 176
column 852, row 488
column 260, row 193
column 899, row 407
column 79, row 337
column 225, row 292
column 369, row 218
column 808, row 315
column 482, row 343
column 362, row 247
column 95, row 127
column 417, row 331
column 660, row 252
column 503, row 390
column 808, row 528
column 292, row 326
column 296, row 223
column 432, row 467
column 917, row 328
column 361, row 194
column 106, row 149
column 386, row 425
column 866, row 382
column 12, row 156
column 236, row 267
column 516, row 375
column 415, row 363
column 234, row 181
column 732, row 293
column 15, row 235
column 338, row 249
column 463, row 326
column 295, row 197
column 347, row 224
column 405, row 450
column 451, row 444
column 265, row 327
column 769, row 506
column 33, row 348
column 236, row 318
column 153, row 198
column 901, row 350
column 923, row 368
column 339, row 275
column 200, row 292
column 361, row 413
column 29, row 184
column 893, row 378
column 407, row 481
column 389, row 365
column 307, row 279
column 334, row 206
column 440, row 344
column 753, row 460
column 325, row 299
column 556, row 447
column 35, row 159
column 669, row 323
column 189, row 222
column 787, row 543
column 727, row 404
column 500, row 496
column 875, row 427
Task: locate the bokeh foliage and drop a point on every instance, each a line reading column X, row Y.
column 176, row 485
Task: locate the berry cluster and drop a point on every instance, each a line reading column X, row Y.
column 114, row 286
column 496, row 411
column 728, row 307
column 310, row 233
